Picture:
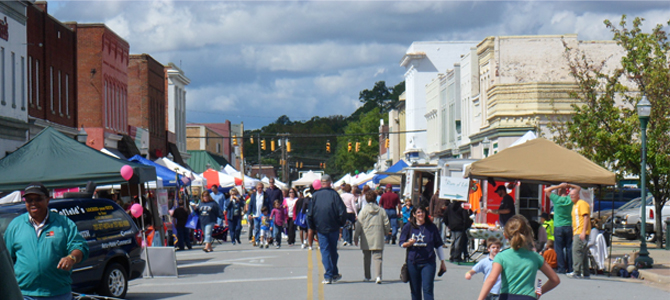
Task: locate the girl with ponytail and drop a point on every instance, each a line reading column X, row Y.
column 518, row 266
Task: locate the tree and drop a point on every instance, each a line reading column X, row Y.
column 380, row 96
column 364, row 159
column 605, row 127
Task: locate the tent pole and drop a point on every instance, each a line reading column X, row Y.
column 144, row 236
column 609, row 272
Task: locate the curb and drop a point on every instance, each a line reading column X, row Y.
column 653, row 277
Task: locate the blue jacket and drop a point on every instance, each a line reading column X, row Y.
column 36, row 258
column 327, row 212
column 252, row 203
column 231, row 207
column 274, row 194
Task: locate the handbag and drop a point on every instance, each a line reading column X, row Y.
column 192, row 221
column 404, row 271
column 300, row 220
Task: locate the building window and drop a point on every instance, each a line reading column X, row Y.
column 13, row 80
column 218, row 148
column 37, row 84
column 60, row 95
column 30, row 81
column 51, row 88
column 2, row 70
column 23, row 83
column 67, row 94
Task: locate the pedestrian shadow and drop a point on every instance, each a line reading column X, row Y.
column 153, row 295
column 369, row 282
column 202, row 269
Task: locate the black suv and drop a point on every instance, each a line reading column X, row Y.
column 114, row 243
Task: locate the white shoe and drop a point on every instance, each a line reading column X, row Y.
column 379, row 280
column 345, row 243
column 303, row 246
column 310, row 248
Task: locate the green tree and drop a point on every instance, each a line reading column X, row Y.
column 605, row 127
column 380, row 96
column 366, row 157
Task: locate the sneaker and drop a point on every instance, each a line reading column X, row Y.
column 266, row 246
column 337, row 277
column 278, row 246
column 304, row 246
column 379, row 280
column 310, row 248
column 367, row 279
column 573, row 275
column 345, row 243
column 327, row 281
column 233, row 243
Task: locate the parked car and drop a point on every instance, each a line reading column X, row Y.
column 114, row 243
column 627, row 222
column 650, row 230
column 614, row 199
column 605, row 216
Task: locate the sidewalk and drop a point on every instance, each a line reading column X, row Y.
column 660, row 273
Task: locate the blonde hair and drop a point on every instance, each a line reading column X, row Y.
column 518, row 232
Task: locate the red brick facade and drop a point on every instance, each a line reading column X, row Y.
column 102, row 81
column 51, row 68
column 146, row 100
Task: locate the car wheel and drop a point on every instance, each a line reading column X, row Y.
column 114, row 281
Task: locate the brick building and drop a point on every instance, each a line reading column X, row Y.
column 203, row 137
column 102, row 85
column 51, row 72
column 146, row 102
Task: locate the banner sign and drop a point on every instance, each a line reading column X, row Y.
column 454, row 188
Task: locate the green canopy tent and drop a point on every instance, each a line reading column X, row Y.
column 59, row 161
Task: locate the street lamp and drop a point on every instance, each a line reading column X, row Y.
column 486, row 143
column 643, row 112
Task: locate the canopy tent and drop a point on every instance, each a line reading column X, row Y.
column 13, row 197
column 249, row 182
column 397, row 167
column 364, row 178
column 306, row 179
column 543, row 162
column 343, row 180
column 392, row 179
column 220, row 179
column 530, row 135
column 196, row 180
column 167, row 175
column 59, row 161
column 279, row 184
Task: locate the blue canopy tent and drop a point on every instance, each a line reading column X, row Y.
column 397, row 167
column 167, row 175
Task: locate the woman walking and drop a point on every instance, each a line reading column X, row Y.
column 350, row 202
column 208, row 211
column 371, row 227
column 422, row 240
column 518, row 266
column 292, row 211
column 234, row 212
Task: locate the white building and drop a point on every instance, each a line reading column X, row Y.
column 470, row 110
column 423, row 61
column 13, row 51
column 176, row 111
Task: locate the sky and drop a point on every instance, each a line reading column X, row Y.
column 254, row 61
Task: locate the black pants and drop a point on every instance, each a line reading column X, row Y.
column 290, row 227
column 458, row 245
column 251, row 228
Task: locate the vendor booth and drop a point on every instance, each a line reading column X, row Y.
column 306, row 179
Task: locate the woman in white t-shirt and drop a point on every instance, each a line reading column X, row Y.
column 289, row 204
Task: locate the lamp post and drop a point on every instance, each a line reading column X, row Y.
column 486, row 143
column 643, row 112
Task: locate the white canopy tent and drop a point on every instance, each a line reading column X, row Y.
column 279, row 184
column 363, row 178
column 249, row 182
column 196, row 179
column 13, row 197
column 530, row 135
column 306, row 179
column 344, row 179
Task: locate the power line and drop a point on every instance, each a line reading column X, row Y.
column 308, row 135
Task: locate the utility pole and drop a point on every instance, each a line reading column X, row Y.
column 284, row 155
column 259, row 155
column 243, row 171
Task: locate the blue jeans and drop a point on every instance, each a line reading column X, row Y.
column 235, row 228
column 563, row 247
column 276, row 232
column 183, row 238
column 393, row 219
column 207, row 232
column 421, row 278
column 328, row 244
column 257, row 231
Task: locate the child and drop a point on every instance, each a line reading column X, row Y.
column 518, row 265
column 406, row 209
column 485, row 265
column 278, row 217
column 264, row 221
column 549, row 255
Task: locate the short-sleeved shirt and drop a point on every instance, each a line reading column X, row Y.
column 579, row 210
column 519, row 269
column 484, row 266
column 562, row 208
column 506, row 203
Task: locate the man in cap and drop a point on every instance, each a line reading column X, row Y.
column 563, row 223
column 44, row 247
column 506, row 208
column 326, row 214
column 391, row 203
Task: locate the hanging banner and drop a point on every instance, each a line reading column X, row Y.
column 409, row 178
column 454, row 188
column 162, row 198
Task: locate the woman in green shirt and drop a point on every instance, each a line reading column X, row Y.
column 518, row 265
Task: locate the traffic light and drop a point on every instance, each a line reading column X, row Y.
column 388, row 142
column 297, row 164
column 272, row 145
column 288, row 146
column 369, row 142
column 324, row 165
column 321, row 165
column 349, row 147
column 251, row 139
column 263, row 145
column 328, row 146
column 358, row 146
column 234, row 140
column 301, row 165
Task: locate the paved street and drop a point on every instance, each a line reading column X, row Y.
column 293, row 273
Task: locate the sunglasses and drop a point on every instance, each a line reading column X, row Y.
column 33, row 199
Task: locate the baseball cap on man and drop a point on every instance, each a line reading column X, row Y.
column 389, row 186
column 36, row 188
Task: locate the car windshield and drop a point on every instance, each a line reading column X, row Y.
column 5, row 219
column 631, row 203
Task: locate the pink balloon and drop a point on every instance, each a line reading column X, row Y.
column 316, row 184
column 126, row 172
column 136, row 210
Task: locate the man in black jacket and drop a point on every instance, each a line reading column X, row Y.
column 458, row 221
column 326, row 215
